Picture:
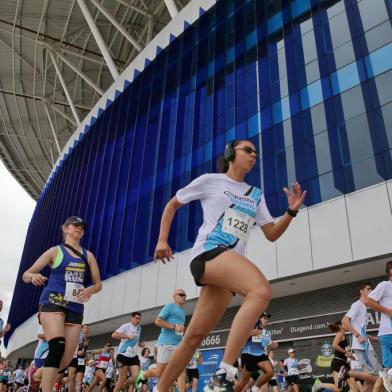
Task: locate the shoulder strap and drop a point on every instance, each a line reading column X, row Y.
column 81, row 255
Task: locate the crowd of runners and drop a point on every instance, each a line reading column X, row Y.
column 133, row 367
column 231, row 208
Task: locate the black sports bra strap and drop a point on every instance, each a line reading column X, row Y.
column 81, row 255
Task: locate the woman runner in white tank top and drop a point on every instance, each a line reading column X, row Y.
column 230, row 208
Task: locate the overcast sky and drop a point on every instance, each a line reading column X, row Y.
column 16, row 209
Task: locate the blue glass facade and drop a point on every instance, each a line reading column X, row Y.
column 309, row 82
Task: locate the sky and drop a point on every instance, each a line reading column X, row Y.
column 16, row 210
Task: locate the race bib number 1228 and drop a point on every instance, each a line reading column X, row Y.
column 237, row 223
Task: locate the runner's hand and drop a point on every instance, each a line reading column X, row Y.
column 163, row 252
column 273, row 345
column 84, row 295
column 38, row 279
column 295, row 198
column 361, row 339
column 179, row 328
column 7, row 328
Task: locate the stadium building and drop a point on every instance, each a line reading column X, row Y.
column 309, row 82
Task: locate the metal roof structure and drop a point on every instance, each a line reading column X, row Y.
column 57, row 58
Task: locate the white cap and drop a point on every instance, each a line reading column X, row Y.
column 291, row 350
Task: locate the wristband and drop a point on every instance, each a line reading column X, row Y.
column 174, row 327
column 292, row 213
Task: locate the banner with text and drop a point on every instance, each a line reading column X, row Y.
column 294, row 329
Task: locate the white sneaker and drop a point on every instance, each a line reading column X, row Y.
column 386, row 380
column 315, row 386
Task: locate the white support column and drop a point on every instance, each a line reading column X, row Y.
column 98, row 38
column 56, row 140
column 81, row 74
column 150, row 29
column 51, row 155
column 173, row 11
column 64, row 115
column 132, row 7
column 65, row 88
column 117, row 25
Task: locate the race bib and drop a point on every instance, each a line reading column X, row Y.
column 103, row 364
column 256, row 339
column 80, row 361
column 237, row 223
column 71, row 292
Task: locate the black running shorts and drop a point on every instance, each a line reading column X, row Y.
column 291, row 380
column 123, row 360
column 73, row 363
column 249, row 361
column 198, row 263
column 191, row 374
column 71, row 317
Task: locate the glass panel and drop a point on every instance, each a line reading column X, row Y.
column 358, row 137
column 384, row 87
column 365, row 173
column 352, row 102
column 373, row 12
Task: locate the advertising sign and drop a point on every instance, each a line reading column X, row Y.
column 303, row 328
column 210, row 362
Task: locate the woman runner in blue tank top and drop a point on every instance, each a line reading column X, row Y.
column 62, row 299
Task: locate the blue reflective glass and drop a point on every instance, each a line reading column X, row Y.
column 345, row 78
column 311, row 95
column 379, row 61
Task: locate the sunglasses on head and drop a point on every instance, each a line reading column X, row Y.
column 248, row 150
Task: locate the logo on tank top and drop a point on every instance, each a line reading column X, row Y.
column 74, row 273
column 241, row 201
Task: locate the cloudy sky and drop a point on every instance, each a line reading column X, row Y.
column 16, row 209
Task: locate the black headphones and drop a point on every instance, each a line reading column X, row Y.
column 229, row 153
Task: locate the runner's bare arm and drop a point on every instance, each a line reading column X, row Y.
column 32, row 275
column 377, row 307
column 163, row 251
column 336, row 341
column 85, row 294
column 295, row 199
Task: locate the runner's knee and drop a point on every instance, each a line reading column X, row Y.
column 261, row 294
column 56, row 352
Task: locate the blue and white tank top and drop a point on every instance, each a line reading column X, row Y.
column 67, row 277
column 257, row 345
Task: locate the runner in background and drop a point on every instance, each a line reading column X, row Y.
column 102, row 363
column 380, row 300
column 192, row 372
column 81, row 355
column 339, row 362
column 171, row 320
column 127, row 356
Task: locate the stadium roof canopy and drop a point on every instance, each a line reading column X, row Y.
column 57, row 57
